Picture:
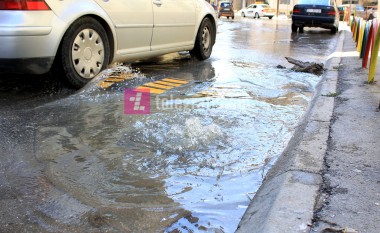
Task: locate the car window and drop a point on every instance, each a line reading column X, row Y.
column 359, row 8
column 265, row 6
column 225, row 4
column 315, row 2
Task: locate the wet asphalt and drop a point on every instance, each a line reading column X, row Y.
column 73, row 161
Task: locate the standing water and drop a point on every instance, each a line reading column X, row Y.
column 192, row 164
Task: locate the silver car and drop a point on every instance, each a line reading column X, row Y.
column 82, row 37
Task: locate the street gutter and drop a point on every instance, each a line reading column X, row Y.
column 286, row 200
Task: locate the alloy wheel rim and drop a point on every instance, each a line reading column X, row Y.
column 88, row 53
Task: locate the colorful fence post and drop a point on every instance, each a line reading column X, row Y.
column 374, row 55
column 361, row 35
column 366, row 34
column 357, row 31
column 365, row 38
column 370, row 44
column 353, row 28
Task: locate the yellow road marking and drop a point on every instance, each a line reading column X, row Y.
column 175, row 80
column 157, row 85
column 153, row 90
column 116, row 80
column 105, row 84
column 206, row 93
column 169, row 84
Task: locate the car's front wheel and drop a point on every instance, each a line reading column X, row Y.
column 257, row 16
column 204, row 40
column 242, row 14
column 270, row 17
column 85, row 51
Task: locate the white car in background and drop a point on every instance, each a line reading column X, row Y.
column 82, row 37
column 258, row 10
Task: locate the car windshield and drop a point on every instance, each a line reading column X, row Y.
column 359, row 8
column 225, row 4
column 315, row 2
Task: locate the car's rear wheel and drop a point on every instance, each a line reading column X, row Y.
column 85, row 51
column 204, row 40
column 334, row 30
column 228, row 17
column 270, row 17
column 301, row 29
column 257, row 15
column 242, row 14
column 294, row 28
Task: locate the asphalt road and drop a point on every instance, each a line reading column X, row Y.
column 75, row 161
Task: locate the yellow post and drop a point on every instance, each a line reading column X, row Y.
column 374, row 55
column 361, row 34
column 356, row 28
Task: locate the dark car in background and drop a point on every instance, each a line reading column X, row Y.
column 315, row 13
column 226, row 9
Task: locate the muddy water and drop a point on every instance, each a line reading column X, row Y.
column 194, row 163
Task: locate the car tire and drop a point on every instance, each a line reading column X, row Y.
column 294, row 28
column 257, row 16
column 270, row 17
column 334, row 30
column 301, row 29
column 242, row 14
column 82, row 65
column 233, row 17
column 228, row 17
column 204, row 40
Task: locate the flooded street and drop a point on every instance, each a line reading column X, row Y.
column 78, row 163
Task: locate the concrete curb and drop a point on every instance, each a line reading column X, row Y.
column 286, row 200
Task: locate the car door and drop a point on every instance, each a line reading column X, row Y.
column 255, row 9
column 133, row 22
column 174, row 24
column 250, row 11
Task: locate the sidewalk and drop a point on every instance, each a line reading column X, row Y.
column 328, row 179
column 351, row 184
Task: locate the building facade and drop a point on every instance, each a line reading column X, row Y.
column 285, row 7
